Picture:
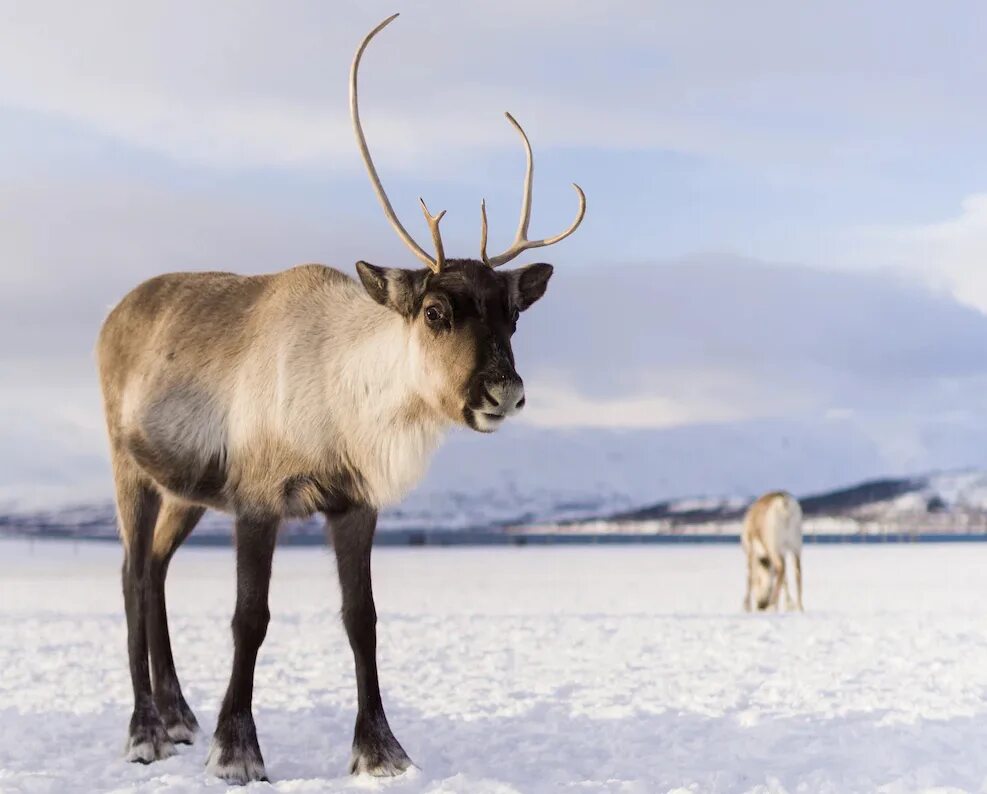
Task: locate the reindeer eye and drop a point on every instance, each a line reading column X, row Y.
column 514, row 316
column 433, row 314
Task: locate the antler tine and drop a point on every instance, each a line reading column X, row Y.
column 483, row 232
column 433, row 225
column 529, row 173
column 521, row 242
column 361, row 140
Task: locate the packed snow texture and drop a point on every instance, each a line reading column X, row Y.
column 590, row 669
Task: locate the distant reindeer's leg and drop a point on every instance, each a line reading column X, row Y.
column 798, row 579
column 778, row 565
column 789, row 603
column 235, row 755
column 375, row 750
column 175, row 522
column 750, row 581
column 137, row 509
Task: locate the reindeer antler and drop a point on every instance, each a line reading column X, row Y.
column 437, row 263
column 433, row 225
column 521, row 242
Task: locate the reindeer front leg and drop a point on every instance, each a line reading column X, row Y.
column 235, row 754
column 375, row 750
column 778, row 566
column 750, row 581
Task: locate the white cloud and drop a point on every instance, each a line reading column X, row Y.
column 950, row 254
column 562, row 405
column 655, row 392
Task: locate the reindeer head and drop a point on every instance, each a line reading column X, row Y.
column 462, row 312
column 762, row 580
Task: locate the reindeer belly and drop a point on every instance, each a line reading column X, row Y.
column 178, row 439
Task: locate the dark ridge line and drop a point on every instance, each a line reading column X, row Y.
column 449, row 538
column 826, row 503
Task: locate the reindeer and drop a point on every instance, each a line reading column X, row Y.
column 281, row 395
column 772, row 530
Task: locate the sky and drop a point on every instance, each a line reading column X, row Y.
column 787, row 203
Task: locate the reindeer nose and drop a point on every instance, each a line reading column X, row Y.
column 506, row 396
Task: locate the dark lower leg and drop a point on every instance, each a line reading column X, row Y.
column 235, row 755
column 174, row 525
column 375, row 750
column 138, row 506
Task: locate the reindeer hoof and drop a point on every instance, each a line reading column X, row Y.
column 235, row 753
column 380, row 761
column 180, row 723
column 235, row 765
column 376, row 752
column 182, row 732
column 148, row 741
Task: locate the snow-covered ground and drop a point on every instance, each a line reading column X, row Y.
column 626, row 669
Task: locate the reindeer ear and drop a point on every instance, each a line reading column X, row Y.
column 529, row 283
column 393, row 287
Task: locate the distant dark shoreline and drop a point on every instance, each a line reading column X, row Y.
column 447, row 538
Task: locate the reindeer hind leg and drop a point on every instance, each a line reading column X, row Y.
column 176, row 521
column 798, row 579
column 137, row 508
column 750, row 581
column 789, row 602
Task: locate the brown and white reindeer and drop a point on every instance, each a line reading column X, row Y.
column 772, row 531
column 282, row 395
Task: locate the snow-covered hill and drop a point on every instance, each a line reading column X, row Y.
column 941, row 502
column 953, row 502
column 525, row 475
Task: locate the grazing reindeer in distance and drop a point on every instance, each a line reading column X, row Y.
column 772, row 530
column 283, row 395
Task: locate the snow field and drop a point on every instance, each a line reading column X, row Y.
column 535, row 669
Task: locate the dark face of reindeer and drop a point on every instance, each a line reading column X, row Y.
column 462, row 321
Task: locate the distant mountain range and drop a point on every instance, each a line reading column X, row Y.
column 572, row 480
column 954, row 502
column 941, row 502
